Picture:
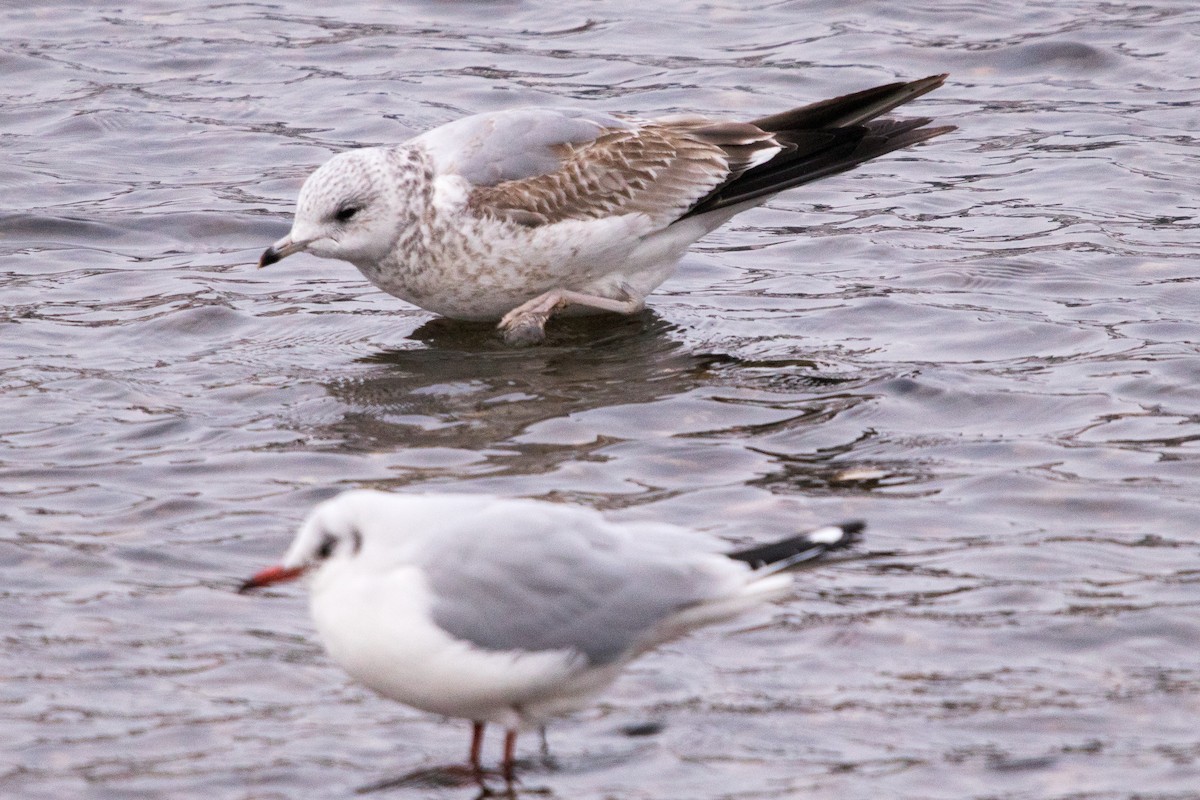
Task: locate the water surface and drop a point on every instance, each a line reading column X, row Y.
column 985, row 346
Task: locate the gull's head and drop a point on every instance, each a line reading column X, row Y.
column 345, row 211
column 332, row 534
column 365, row 531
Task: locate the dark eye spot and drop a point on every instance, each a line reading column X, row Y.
column 346, row 213
column 326, row 548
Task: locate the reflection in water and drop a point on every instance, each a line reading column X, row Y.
column 843, row 469
column 448, row 776
column 464, row 388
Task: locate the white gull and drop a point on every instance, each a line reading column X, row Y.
column 515, row 611
column 514, row 215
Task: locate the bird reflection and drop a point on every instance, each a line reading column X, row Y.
column 460, row 386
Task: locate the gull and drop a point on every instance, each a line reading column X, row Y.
column 513, row 611
column 515, row 215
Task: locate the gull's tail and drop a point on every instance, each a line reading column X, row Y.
column 764, row 583
column 828, row 137
column 797, row 550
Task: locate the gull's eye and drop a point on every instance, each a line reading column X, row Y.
column 346, row 213
column 326, row 548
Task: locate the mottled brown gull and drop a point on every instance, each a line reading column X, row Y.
column 516, row 611
column 514, row 215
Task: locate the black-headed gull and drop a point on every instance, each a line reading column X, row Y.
column 515, row 611
column 512, row 215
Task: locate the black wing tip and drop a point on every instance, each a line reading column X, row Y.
column 855, row 107
column 932, row 81
column 914, row 89
column 853, row 527
column 852, row 533
column 802, row 548
column 929, row 133
column 828, row 137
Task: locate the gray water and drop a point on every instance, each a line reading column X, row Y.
column 986, row 347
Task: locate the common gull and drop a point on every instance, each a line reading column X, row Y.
column 514, row 215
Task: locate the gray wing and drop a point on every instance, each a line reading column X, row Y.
column 539, row 166
column 488, row 149
column 541, row 585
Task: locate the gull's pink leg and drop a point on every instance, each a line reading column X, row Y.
column 477, row 751
column 526, row 324
column 510, row 755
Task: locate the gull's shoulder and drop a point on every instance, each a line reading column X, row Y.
column 512, row 144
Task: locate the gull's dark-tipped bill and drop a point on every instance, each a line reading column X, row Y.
column 269, row 257
column 281, row 250
column 269, row 576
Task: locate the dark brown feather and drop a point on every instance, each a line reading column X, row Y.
column 828, row 137
column 678, row 167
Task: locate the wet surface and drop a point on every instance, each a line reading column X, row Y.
column 986, row 347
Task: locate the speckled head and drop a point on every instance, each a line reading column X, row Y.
column 353, row 208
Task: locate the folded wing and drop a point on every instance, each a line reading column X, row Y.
column 541, row 166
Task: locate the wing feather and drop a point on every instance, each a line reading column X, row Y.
column 544, row 166
column 561, row 583
column 536, row 167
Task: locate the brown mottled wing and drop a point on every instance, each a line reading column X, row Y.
column 541, row 166
column 659, row 168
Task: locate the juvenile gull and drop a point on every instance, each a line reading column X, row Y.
column 514, row 611
column 513, row 215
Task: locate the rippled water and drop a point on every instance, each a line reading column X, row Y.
column 985, row 346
